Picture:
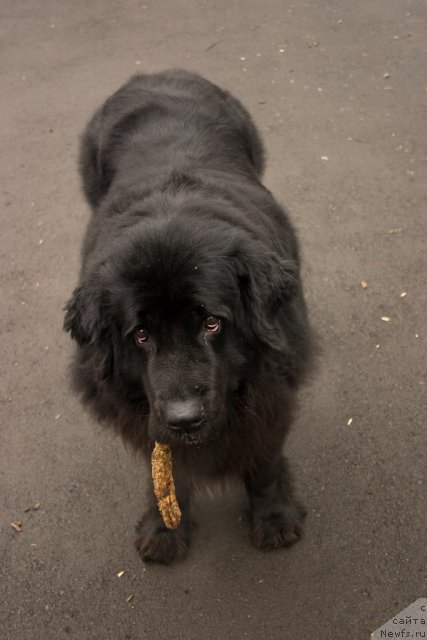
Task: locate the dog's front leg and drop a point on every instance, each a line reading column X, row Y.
column 157, row 543
column 276, row 517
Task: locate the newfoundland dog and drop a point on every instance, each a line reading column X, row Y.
column 189, row 314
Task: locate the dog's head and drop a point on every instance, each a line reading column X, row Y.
column 179, row 316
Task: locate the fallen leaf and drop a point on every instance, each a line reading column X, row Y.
column 34, row 507
column 211, row 46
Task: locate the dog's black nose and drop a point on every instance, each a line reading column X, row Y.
column 184, row 415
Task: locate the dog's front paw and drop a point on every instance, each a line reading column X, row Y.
column 278, row 529
column 156, row 543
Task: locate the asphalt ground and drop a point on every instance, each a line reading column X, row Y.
column 337, row 90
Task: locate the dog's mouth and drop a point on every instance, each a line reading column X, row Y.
column 195, row 430
column 206, row 433
column 189, row 439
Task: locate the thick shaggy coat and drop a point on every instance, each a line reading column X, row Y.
column 189, row 314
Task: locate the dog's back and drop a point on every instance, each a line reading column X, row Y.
column 176, row 121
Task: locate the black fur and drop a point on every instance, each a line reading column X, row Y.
column 182, row 229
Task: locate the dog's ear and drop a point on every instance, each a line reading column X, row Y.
column 267, row 284
column 85, row 317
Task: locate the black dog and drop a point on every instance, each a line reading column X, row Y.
column 189, row 315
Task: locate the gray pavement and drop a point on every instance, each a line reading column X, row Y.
column 337, row 89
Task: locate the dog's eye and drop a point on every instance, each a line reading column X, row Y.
column 140, row 336
column 212, row 324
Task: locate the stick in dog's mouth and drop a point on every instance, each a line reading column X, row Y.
column 164, row 487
